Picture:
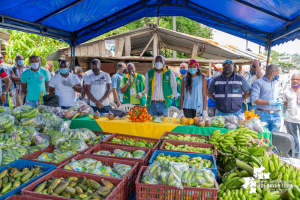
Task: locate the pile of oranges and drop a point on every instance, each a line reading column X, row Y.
column 139, row 114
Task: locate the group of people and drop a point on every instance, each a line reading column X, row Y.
column 225, row 93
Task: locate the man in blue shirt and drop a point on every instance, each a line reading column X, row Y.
column 228, row 91
column 116, row 82
column 264, row 93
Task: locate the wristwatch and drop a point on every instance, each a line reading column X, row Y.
column 4, row 92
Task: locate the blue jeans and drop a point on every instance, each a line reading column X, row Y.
column 292, row 127
column 65, row 107
column 105, row 109
column 273, row 120
column 6, row 104
column 158, row 109
column 250, row 107
column 219, row 113
column 33, row 103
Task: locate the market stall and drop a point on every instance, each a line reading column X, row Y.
column 146, row 129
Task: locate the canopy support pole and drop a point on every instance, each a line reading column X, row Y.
column 269, row 53
column 72, row 58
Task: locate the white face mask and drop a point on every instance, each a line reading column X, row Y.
column 216, row 73
column 35, row 65
column 159, row 65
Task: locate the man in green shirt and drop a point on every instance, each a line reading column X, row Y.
column 34, row 81
column 133, row 86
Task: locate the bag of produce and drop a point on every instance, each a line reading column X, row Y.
column 232, row 119
column 230, row 125
column 6, row 121
column 72, row 145
column 121, row 153
column 60, row 114
column 36, row 122
column 50, row 116
column 9, row 140
column 139, row 154
column 69, row 114
column 165, row 173
column 122, row 169
column 25, row 112
column 62, row 155
column 86, row 134
column 198, row 178
column 254, row 124
column 5, row 110
column 46, row 157
column 41, row 140
column 218, row 121
column 104, row 153
column 86, row 162
column 83, row 110
column 74, row 165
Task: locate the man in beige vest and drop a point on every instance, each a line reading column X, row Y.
column 251, row 76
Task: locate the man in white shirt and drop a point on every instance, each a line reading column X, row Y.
column 160, row 92
column 291, row 99
column 65, row 85
column 98, row 87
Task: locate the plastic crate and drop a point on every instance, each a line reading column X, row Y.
column 111, row 147
column 136, row 138
column 193, row 144
column 129, row 178
column 151, row 191
column 191, row 155
column 23, row 197
column 175, row 133
column 116, row 194
column 50, row 149
column 21, row 164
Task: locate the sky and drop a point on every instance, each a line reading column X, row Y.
column 224, row 38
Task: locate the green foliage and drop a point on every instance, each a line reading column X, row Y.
column 28, row 44
column 285, row 64
column 274, row 56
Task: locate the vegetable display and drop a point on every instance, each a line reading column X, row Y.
column 76, row 188
column 25, row 112
column 139, row 114
column 186, row 137
column 141, row 143
column 138, row 154
column 185, row 147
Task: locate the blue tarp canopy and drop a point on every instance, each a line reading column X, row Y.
column 265, row 22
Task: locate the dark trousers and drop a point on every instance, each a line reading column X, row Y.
column 105, row 109
column 65, row 107
column 189, row 113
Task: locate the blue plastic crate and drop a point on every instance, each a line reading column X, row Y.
column 191, row 155
column 132, row 196
column 21, row 164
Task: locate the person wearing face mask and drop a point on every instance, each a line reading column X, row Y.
column 183, row 72
column 15, row 73
column 230, row 90
column 98, row 88
column 6, row 67
column 116, row 83
column 132, row 87
column 291, row 99
column 211, row 105
column 193, row 93
column 49, row 67
column 65, row 85
column 252, row 75
column 264, row 93
column 160, row 87
column 34, row 81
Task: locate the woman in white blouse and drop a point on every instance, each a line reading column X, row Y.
column 291, row 99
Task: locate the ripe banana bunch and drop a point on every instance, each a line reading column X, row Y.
column 237, row 138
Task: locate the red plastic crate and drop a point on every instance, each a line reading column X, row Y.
column 111, row 147
column 50, row 149
column 23, row 197
column 175, row 133
column 136, row 138
column 129, row 178
column 151, row 191
column 116, row 194
column 193, row 144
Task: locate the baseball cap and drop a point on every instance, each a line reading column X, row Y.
column 229, row 62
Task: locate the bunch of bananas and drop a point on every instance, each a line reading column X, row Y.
column 25, row 112
column 186, row 159
column 188, row 148
column 141, row 143
column 187, row 137
column 238, row 138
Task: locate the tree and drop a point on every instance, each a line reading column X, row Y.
column 274, row 56
column 28, row 44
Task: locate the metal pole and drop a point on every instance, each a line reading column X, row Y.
column 71, row 59
column 174, row 29
column 269, row 53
